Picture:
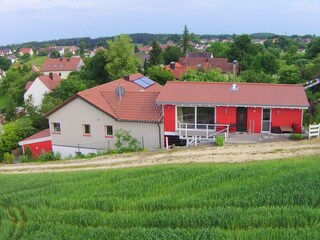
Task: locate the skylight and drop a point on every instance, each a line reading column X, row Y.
column 144, row 82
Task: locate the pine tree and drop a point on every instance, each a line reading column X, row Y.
column 155, row 54
column 185, row 40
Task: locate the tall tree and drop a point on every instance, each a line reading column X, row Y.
column 5, row 63
column 172, row 54
column 289, row 74
column 155, row 54
column 185, row 40
column 160, row 74
column 219, row 49
column 120, row 57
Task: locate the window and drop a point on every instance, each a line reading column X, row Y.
column 60, row 74
column 86, row 129
column 56, row 127
column 108, row 131
column 196, row 117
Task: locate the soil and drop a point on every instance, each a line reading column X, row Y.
column 230, row 153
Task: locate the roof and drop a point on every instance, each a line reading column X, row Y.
column 51, row 84
column 61, row 64
column 178, row 69
column 25, row 50
column 137, row 104
column 11, row 56
column 38, row 137
column 207, row 63
column 248, row 94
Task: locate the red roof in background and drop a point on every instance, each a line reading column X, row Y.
column 209, row 63
column 51, row 84
column 43, row 134
column 61, row 64
column 25, row 50
column 248, row 94
column 138, row 103
column 178, row 70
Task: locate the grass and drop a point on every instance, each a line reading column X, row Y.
column 257, row 200
column 37, row 60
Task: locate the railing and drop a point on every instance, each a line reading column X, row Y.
column 314, row 131
column 207, row 130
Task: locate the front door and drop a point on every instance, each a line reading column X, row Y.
column 241, row 119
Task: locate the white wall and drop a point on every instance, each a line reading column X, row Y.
column 64, row 74
column 37, row 91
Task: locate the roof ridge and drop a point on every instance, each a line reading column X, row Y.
column 241, row 83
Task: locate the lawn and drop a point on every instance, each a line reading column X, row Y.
column 38, row 61
column 256, row 200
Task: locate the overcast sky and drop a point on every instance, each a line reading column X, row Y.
column 38, row 20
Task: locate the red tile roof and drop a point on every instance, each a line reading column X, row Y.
column 138, row 104
column 51, row 84
column 209, row 63
column 61, row 64
column 43, row 134
column 178, row 70
column 248, row 94
column 25, row 50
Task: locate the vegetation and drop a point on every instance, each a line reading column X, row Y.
column 212, row 75
column 257, row 200
column 125, row 142
column 159, row 74
column 219, row 141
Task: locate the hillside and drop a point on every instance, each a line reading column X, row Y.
column 257, row 200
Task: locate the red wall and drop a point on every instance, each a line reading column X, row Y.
column 39, row 147
column 226, row 115
column 169, row 112
column 286, row 117
column 254, row 115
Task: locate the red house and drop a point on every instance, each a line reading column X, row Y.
column 38, row 143
column 194, row 110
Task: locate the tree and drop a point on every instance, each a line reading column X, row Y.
column 120, row 57
column 82, row 46
column 25, row 58
column 172, row 54
column 254, row 76
column 212, row 75
column 289, row 74
column 314, row 49
column 219, row 49
column 94, row 68
column 38, row 120
column 49, row 102
column 5, row 63
column 55, row 54
column 266, row 62
column 155, row 54
column 159, row 74
column 185, row 40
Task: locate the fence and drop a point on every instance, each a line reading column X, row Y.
column 314, row 131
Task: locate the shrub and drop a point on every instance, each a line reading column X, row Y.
column 28, row 152
column 296, row 136
column 8, row 158
column 125, row 142
column 26, row 159
column 49, row 156
column 219, row 141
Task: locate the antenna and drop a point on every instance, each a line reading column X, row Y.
column 120, row 92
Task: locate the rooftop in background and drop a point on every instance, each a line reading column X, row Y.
column 61, row 64
column 137, row 102
column 51, row 84
column 247, row 94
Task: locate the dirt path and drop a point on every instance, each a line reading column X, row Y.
column 228, row 153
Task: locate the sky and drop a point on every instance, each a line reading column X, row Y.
column 39, row 20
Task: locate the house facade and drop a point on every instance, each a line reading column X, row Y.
column 23, row 51
column 193, row 109
column 87, row 122
column 61, row 66
column 41, row 85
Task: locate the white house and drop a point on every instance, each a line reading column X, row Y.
column 12, row 58
column 23, row 51
column 41, row 85
column 62, row 66
column 87, row 122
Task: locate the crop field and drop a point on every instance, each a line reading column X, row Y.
column 277, row 199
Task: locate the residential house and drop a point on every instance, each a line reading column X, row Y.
column 23, row 51
column 41, row 85
column 199, row 55
column 177, row 69
column 198, row 110
column 87, row 122
column 55, row 48
column 12, row 58
column 38, row 143
column 4, row 52
column 61, row 66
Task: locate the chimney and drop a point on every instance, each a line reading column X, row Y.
column 126, row 77
column 68, row 59
column 60, row 59
column 172, row 65
column 51, row 75
column 234, row 86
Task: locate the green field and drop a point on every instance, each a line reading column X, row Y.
column 38, row 61
column 257, row 200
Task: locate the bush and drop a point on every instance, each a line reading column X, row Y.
column 49, row 156
column 296, row 137
column 125, row 142
column 8, row 158
column 219, row 141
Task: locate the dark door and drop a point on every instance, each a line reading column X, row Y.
column 241, row 119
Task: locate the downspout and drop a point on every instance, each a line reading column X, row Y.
column 159, row 135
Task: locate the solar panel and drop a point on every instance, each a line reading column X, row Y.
column 141, row 83
column 144, row 82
